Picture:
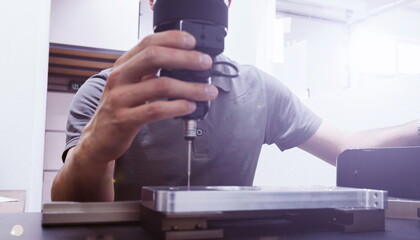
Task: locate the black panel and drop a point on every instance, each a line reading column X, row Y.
column 396, row 170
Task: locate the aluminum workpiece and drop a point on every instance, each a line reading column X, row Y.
column 224, row 198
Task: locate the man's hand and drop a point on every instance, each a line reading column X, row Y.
column 132, row 92
column 132, row 98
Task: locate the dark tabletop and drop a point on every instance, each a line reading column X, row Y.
column 266, row 230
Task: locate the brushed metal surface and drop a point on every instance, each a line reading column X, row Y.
column 232, row 198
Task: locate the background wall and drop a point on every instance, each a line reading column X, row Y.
column 95, row 23
column 146, row 19
column 23, row 67
column 315, row 57
column 381, row 62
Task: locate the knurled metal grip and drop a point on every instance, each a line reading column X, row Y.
column 190, row 129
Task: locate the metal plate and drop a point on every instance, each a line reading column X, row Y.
column 402, row 208
column 226, row 198
column 395, row 170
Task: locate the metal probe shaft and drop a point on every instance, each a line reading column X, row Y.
column 189, row 163
column 190, row 132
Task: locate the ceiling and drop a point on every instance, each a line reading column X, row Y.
column 411, row 5
column 367, row 4
column 415, row 6
column 344, row 11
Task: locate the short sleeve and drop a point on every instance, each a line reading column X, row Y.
column 83, row 107
column 289, row 122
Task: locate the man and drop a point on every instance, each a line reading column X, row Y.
column 122, row 136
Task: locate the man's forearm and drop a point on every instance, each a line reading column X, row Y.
column 83, row 180
column 328, row 142
column 401, row 135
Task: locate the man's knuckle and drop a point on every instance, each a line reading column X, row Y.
column 151, row 53
column 163, row 85
column 120, row 60
column 153, row 110
column 115, row 96
column 120, row 117
column 122, row 120
column 114, row 75
column 147, row 40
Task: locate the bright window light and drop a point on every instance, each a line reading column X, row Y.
column 409, row 58
column 278, row 39
column 373, row 54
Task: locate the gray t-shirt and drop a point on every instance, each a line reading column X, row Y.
column 250, row 111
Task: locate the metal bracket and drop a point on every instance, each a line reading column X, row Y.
column 344, row 220
column 171, row 226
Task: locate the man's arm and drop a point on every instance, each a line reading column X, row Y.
column 83, row 179
column 328, row 142
column 130, row 100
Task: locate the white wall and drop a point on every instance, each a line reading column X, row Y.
column 23, row 67
column 146, row 19
column 250, row 32
column 95, row 23
column 397, row 26
column 402, row 23
column 315, row 57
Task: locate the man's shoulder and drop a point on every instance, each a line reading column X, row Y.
column 104, row 74
column 92, row 88
column 98, row 80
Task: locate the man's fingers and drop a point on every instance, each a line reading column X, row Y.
column 172, row 39
column 158, row 110
column 133, row 95
column 155, row 57
column 169, row 49
column 164, row 87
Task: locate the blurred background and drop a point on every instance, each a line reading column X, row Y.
column 356, row 63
